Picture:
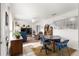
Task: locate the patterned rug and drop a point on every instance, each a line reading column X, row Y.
column 63, row 52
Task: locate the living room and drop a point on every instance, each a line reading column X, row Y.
column 56, row 21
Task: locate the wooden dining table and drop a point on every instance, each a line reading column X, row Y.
column 53, row 40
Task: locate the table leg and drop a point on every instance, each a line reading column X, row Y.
column 53, row 46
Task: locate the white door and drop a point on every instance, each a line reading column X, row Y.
column 7, row 31
column 3, row 33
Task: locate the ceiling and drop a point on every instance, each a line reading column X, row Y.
column 29, row 11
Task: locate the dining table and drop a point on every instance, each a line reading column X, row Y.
column 53, row 40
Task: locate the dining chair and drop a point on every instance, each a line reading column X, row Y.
column 45, row 43
column 62, row 45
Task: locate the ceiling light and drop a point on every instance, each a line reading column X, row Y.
column 72, row 19
column 33, row 20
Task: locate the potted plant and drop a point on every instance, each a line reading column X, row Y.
column 17, row 35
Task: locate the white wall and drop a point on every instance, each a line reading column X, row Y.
column 10, row 29
column 78, row 26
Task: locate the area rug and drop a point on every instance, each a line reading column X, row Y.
column 27, row 51
column 63, row 52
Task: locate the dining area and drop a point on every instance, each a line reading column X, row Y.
column 53, row 43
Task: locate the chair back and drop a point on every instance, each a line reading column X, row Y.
column 23, row 34
column 42, row 38
column 65, row 41
column 44, row 41
column 62, row 44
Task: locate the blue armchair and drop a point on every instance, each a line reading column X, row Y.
column 61, row 45
column 24, row 36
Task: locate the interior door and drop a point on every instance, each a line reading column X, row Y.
column 7, row 32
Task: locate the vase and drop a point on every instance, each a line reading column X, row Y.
column 17, row 37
